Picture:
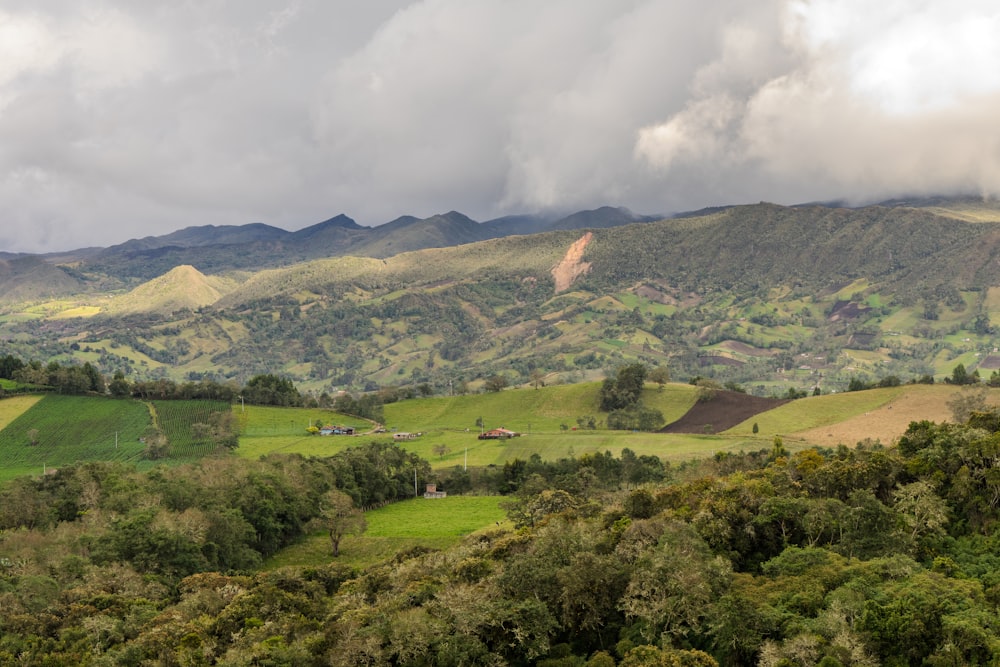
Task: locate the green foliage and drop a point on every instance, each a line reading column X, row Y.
column 624, row 390
column 637, row 417
column 270, row 389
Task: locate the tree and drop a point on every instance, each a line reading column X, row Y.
column 960, row 376
column 660, row 375
column 33, row 436
column 339, row 517
column 119, row 386
column 441, row 450
column 624, row 389
column 495, row 382
column 968, row 401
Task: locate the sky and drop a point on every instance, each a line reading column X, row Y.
column 121, row 119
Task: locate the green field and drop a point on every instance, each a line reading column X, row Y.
column 175, row 418
column 266, row 429
column 67, row 429
column 81, row 428
column 807, row 413
column 435, row 524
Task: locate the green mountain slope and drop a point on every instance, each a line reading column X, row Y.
column 775, row 298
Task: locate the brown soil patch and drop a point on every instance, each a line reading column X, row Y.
column 572, row 267
column 723, row 412
column 655, row 295
column 847, row 310
column 990, row 363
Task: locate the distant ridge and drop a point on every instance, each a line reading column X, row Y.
column 217, row 249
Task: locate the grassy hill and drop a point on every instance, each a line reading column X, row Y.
column 770, row 297
column 553, row 421
column 183, row 287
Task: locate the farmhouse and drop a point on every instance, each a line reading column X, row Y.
column 402, row 435
column 337, row 430
column 498, row 434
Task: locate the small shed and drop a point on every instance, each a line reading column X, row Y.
column 402, row 435
column 432, row 492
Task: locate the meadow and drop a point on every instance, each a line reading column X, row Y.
column 433, row 524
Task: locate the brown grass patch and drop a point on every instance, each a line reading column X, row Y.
column 888, row 422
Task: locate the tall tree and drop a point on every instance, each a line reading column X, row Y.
column 339, row 517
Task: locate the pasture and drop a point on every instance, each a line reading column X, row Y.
column 435, row 524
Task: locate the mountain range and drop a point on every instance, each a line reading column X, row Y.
column 777, row 298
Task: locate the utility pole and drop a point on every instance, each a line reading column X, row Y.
column 414, row 482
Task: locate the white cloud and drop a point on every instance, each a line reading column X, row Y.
column 871, row 100
column 121, row 119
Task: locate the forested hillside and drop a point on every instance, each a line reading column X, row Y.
column 867, row 556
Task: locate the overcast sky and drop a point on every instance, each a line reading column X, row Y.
column 121, row 119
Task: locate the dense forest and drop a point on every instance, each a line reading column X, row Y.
column 847, row 556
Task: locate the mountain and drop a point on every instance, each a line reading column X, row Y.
column 206, row 235
column 216, row 249
column 438, row 231
column 773, row 297
column 600, row 218
column 30, row 277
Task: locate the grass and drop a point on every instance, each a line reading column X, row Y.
column 816, row 411
column 68, row 429
column 267, row 429
column 436, row 524
column 451, row 422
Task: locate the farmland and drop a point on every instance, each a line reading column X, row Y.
column 59, row 430
column 552, row 421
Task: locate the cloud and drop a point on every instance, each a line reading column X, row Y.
column 123, row 119
column 872, row 100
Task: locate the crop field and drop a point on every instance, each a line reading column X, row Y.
column 435, row 524
column 67, row 429
column 176, row 418
column 817, row 411
column 12, row 407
